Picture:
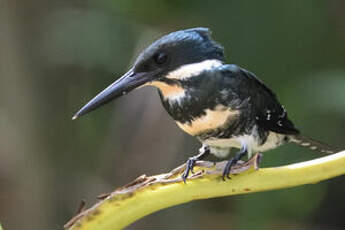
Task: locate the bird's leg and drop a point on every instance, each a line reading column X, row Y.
column 204, row 151
column 233, row 161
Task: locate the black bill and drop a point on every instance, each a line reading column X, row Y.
column 123, row 85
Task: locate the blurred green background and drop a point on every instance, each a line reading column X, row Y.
column 55, row 55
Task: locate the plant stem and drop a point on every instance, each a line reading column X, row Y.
column 149, row 194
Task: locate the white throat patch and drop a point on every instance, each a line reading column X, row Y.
column 190, row 70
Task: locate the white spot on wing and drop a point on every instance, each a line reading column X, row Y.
column 268, row 116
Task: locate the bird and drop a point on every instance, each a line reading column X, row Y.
column 223, row 105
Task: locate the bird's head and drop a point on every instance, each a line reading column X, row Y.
column 174, row 56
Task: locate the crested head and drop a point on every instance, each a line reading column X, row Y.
column 175, row 56
column 177, row 49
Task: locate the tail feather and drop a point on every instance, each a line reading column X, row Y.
column 314, row 145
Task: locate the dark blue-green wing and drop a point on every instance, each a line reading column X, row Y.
column 258, row 101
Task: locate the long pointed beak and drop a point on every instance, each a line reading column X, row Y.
column 123, row 85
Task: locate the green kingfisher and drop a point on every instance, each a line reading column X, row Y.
column 223, row 105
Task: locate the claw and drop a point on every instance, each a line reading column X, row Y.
column 233, row 161
column 189, row 168
column 203, row 152
column 227, row 169
column 191, row 164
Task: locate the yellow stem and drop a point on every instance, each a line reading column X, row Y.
column 149, row 194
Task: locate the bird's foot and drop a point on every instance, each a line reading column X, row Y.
column 203, row 152
column 227, row 169
column 233, row 161
column 189, row 168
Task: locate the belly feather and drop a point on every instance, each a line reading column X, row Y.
column 213, row 119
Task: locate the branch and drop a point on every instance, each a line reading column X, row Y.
column 146, row 195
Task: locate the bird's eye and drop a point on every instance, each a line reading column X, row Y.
column 161, row 58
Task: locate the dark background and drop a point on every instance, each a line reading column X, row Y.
column 55, row 55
